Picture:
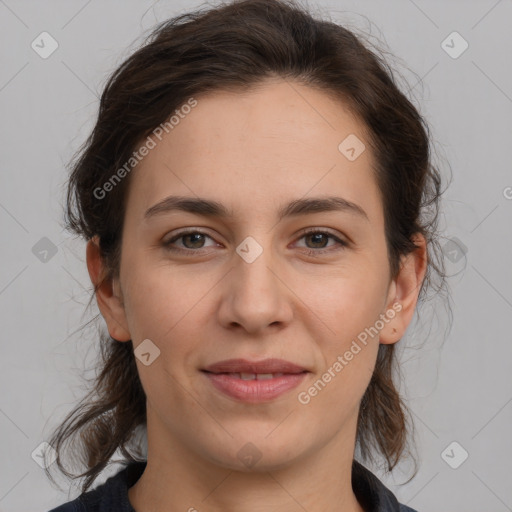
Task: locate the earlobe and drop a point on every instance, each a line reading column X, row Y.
column 108, row 299
column 404, row 292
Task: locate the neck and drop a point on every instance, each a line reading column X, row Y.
column 178, row 479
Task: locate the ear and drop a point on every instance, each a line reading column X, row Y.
column 108, row 298
column 403, row 292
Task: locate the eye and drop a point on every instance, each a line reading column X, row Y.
column 319, row 236
column 192, row 239
column 193, row 242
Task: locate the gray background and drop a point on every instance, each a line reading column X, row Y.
column 459, row 388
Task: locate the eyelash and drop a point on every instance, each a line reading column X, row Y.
column 309, row 252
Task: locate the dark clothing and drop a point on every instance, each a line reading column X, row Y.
column 112, row 495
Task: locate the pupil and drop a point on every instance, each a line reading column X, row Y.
column 317, row 235
column 192, row 235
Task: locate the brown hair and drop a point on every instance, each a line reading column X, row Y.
column 236, row 46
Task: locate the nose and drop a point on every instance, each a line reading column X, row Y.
column 255, row 295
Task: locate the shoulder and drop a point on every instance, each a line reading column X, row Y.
column 405, row 508
column 111, row 496
column 372, row 494
column 70, row 506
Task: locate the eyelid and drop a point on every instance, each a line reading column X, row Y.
column 320, row 229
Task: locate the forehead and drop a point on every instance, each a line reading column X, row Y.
column 259, row 148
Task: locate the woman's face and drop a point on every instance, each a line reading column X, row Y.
column 253, row 285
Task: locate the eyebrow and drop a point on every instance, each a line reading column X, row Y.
column 210, row 208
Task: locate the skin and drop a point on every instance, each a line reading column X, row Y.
column 254, row 151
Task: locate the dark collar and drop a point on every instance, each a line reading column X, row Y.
column 371, row 493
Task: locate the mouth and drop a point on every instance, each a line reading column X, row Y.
column 254, row 381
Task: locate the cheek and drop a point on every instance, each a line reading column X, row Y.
column 348, row 301
column 159, row 298
column 168, row 309
column 163, row 307
column 350, row 306
column 347, row 357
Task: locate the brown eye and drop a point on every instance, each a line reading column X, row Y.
column 318, row 239
column 196, row 240
column 191, row 241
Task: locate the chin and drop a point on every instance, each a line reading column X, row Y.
column 256, row 455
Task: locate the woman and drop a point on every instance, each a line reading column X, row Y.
column 255, row 198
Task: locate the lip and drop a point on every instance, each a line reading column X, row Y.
column 254, row 391
column 225, row 377
column 271, row 365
